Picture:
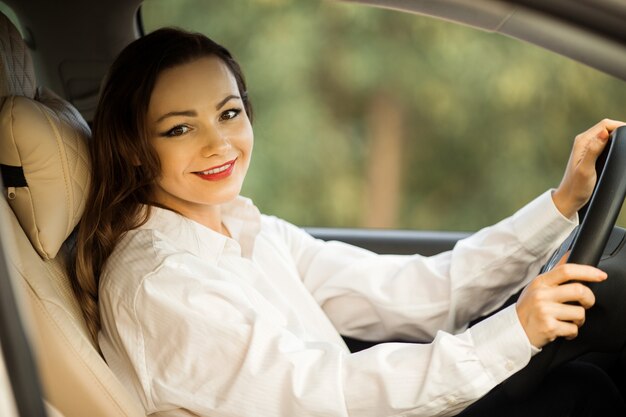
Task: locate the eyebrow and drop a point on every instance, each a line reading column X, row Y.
column 192, row 113
column 189, row 113
column 221, row 103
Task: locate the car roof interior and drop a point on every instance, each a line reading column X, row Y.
column 71, row 58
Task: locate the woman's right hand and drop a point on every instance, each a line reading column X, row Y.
column 543, row 308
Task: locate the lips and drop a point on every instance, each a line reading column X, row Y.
column 217, row 172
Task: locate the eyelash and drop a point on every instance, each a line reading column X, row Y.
column 236, row 111
column 171, row 133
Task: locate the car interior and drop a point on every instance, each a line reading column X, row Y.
column 45, row 163
column 42, row 216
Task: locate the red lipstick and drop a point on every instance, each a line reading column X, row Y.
column 218, row 172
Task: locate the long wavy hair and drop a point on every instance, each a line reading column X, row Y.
column 124, row 165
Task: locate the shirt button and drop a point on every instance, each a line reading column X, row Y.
column 509, row 366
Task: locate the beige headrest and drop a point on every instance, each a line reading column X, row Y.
column 45, row 167
column 17, row 75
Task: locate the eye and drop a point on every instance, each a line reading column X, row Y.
column 177, row 131
column 230, row 114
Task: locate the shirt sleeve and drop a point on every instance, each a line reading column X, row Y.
column 202, row 347
column 374, row 297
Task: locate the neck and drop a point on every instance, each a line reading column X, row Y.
column 209, row 216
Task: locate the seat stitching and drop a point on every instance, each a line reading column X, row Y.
column 39, row 304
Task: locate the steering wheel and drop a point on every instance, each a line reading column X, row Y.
column 596, row 242
column 589, row 240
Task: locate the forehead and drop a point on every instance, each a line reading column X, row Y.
column 199, row 83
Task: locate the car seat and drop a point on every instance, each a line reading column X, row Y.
column 44, row 161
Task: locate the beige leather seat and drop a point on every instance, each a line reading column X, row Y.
column 45, row 166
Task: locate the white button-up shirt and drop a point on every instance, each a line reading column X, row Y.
column 196, row 323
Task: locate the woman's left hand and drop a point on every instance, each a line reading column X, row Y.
column 580, row 174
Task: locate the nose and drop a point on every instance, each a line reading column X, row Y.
column 215, row 142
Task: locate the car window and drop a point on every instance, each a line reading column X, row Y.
column 368, row 117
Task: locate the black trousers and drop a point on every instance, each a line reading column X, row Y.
column 574, row 389
column 579, row 377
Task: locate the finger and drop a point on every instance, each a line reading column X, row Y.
column 603, row 128
column 572, row 272
column 566, row 329
column 571, row 313
column 574, row 292
column 595, row 139
column 611, row 125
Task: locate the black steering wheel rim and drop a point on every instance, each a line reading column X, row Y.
column 589, row 240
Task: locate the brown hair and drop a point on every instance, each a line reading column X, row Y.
column 124, row 165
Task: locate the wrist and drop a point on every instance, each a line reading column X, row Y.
column 563, row 204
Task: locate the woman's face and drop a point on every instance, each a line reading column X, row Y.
column 202, row 135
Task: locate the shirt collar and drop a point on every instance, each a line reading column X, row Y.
column 241, row 217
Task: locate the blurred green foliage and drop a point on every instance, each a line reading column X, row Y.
column 488, row 121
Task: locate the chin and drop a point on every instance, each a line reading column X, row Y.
column 221, row 198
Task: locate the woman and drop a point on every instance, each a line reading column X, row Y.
column 203, row 306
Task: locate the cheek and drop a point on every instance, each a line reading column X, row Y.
column 245, row 139
column 249, row 142
column 173, row 161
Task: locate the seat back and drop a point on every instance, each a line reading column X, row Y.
column 44, row 161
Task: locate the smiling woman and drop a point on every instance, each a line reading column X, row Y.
column 203, row 305
column 203, row 139
column 245, row 317
column 137, row 148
